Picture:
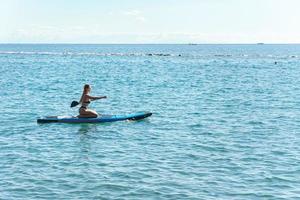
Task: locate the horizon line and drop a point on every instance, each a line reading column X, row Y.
column 191, row 43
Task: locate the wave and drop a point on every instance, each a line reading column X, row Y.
column 141, row 54
column 255, row 56
column 85, row 53
column 223, row 55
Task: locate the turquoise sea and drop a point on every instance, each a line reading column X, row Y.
column 225, row 124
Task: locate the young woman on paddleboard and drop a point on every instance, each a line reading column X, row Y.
column 85, row 100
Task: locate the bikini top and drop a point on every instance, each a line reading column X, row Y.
column 85, row 104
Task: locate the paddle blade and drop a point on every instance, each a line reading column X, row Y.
column 74, row 103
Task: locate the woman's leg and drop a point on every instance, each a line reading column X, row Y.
column 87, row 113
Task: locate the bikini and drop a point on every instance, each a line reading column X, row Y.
column 85, row 104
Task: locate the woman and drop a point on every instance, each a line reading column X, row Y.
column 85, row 101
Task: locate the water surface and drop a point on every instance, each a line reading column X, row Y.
column 225, row 124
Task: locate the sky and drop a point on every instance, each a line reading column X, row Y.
column 149, row 21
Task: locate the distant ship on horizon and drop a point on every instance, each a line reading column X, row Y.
column 260, row 43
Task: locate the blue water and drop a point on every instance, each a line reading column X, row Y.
column 226, row 122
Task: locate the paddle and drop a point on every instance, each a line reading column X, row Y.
column 74, row 103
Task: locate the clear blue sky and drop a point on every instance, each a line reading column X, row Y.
column 149, row 21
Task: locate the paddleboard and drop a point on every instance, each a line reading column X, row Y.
column 100, row 119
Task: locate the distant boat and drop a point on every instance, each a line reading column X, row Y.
column 192, row 44
column 260, row 43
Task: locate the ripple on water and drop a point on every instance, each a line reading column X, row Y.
column 225, row 125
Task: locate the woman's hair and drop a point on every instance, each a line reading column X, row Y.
column 85, row 88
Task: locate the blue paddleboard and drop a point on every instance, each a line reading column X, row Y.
column 100, row 119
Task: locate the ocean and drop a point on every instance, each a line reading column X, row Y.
column 225, row 122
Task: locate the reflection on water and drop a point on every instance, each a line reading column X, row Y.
column 85, row 131
column 88, row 133
column 86, row 128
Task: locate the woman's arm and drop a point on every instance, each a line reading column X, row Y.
column 95, row 98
